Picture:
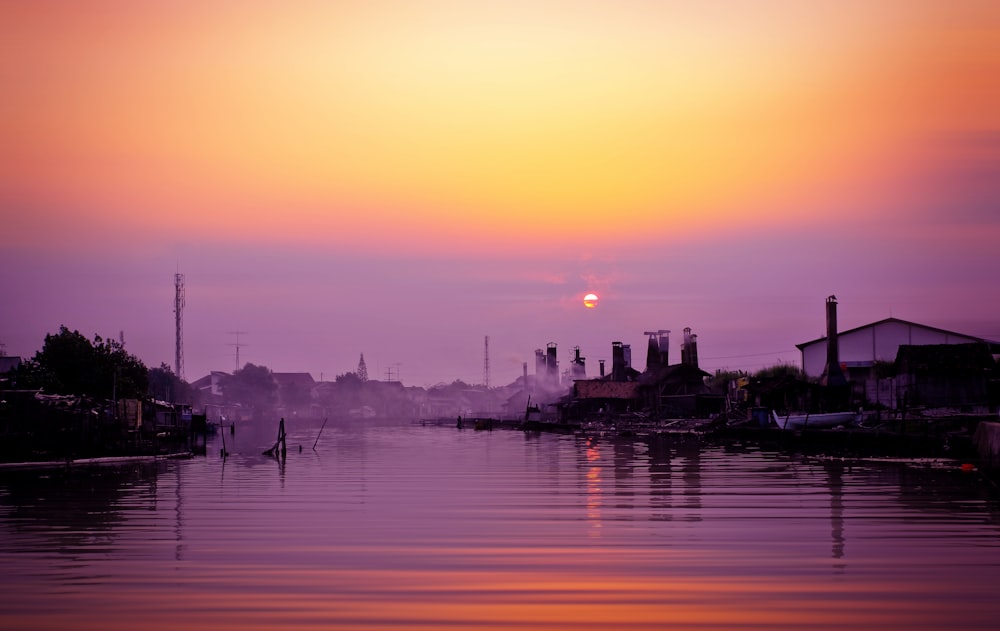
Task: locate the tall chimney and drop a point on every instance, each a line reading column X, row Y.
column 652, row 352
column 617, row 362
column 664, row 347
column 686, row 346
column 579, row 367
column 601, row 363
column 832, row 374
column 552, row 364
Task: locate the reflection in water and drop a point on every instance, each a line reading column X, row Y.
column 594, row 490
column 836, row 485
column 425, row 528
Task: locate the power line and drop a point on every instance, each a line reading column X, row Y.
column 750, row 355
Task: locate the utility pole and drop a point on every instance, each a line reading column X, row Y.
column 486, row 363
column 179, row 302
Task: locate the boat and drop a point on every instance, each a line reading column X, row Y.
column 815, row 421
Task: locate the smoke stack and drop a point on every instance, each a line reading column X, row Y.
column 652, row 352
column 524, row 371
column 601, row 363
column 832, row 374
column 579, row 368
column 552, row 364
column 686, row 346
column 617, row 362
column 664, row 344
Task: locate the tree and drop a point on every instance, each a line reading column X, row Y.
column 165, row 385
column 252, row 386
column 70, row 364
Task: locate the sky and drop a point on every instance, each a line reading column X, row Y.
column 404, row 178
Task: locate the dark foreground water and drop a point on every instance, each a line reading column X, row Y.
column 409, row 527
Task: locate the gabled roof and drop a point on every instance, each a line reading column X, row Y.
column 673, row 373
column 897, row 321
column 296, row 378
column 204, row 382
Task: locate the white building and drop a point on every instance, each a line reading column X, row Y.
column 879, row 341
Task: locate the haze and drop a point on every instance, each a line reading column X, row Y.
column 401, row 179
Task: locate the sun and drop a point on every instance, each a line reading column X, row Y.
column 590, row 300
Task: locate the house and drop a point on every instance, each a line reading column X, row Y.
column 209, row 387
column 861, row 348
column 601, row 396
column 212, row 398
column 678, row 391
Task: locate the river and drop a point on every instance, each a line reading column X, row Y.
column 401, row 526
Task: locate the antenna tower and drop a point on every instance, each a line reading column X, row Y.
column 362, row 369
column 237, row 333
column 486, row 362
column 179, row 325
column 389, row 372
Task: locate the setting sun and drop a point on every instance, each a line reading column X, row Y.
column 590, row 301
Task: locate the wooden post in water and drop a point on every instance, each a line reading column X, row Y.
column 280, row 443
column 223, row 434
column 281, row 437
column 320, row 432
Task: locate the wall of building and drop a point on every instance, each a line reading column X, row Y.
column 876, row 342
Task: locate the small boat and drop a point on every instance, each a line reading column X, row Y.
column 815, row 421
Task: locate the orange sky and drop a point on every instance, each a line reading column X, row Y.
column 451, row 118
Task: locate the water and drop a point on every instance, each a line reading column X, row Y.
column 410, row 527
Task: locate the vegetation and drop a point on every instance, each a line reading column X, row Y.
column 781, row 370
column 69, row 363
column 251, row 386
column 166, row 386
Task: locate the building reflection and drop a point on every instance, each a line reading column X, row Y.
column 669, row 455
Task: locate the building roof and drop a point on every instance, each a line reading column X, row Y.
column 206, row 381
column 598, row 389
column 674, row 373
column 293, row 378
column 897, row 321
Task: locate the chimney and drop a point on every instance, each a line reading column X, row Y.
column 552, row 364
column 664, row 344
column 617, row 362
column 652, row 352
column 524, row 371
column 686, row 346
column 579, row 367
column 832, row 374
column 601, row 363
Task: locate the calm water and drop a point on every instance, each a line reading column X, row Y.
column 411, row 527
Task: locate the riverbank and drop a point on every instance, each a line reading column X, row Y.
column 80, row 462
